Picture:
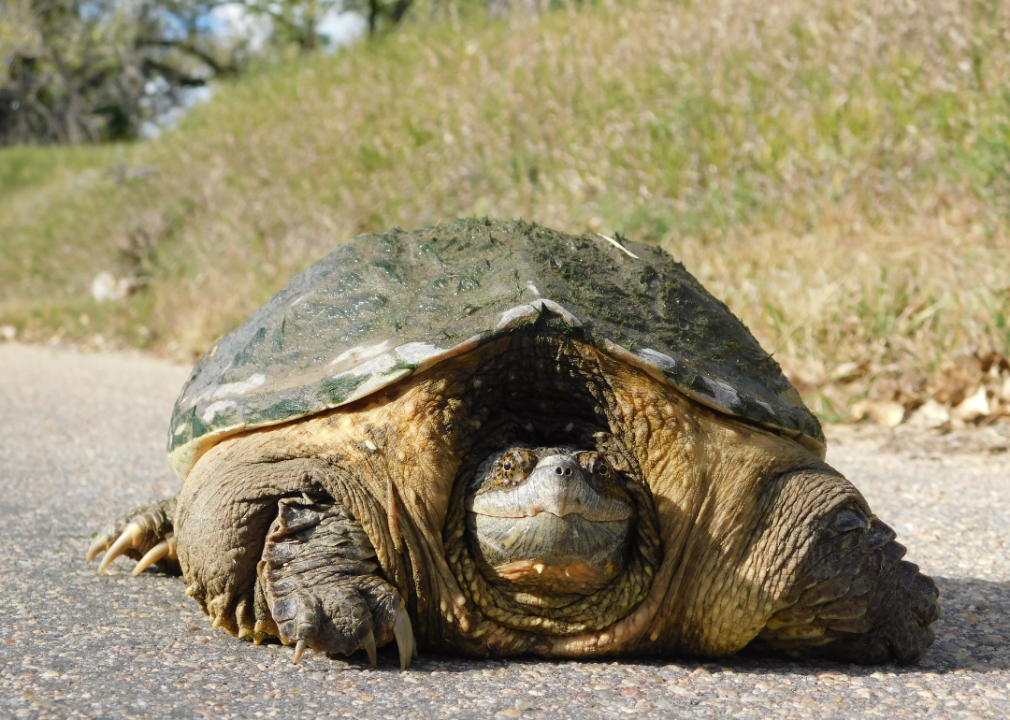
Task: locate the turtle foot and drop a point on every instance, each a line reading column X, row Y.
column 145, row 534
column 319, row 575
column 353, row 616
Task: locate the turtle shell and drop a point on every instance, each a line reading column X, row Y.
column 386, row 305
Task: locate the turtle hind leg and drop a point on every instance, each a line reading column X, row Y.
column 856, row 600
column 908, row 605
column 319, row 574
column 144, row 534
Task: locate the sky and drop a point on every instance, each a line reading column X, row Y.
column 342, row 28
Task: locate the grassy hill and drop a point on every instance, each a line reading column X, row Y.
column 839, row 173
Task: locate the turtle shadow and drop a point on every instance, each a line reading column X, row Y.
column 974, row 630
column 973, row 634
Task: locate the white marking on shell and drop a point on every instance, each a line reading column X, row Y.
column 724, row 394
column 660, row 360
column 625, row 355
column 567, row 316
column 512, row 317
column 182, row 429
column 533, row 289
column 376, row 382
column 416, row 353
column 239, row 388
column 379, row 366
column 214, row 409
column 634, row 360
column 765, row 405
column 361, row 352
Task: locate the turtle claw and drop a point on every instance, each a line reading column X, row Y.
column 404, row 638
column 299, row 651
column 144, row 535
column 128, row 540
column 98, row 545
column 368, row 643
column 164, row 549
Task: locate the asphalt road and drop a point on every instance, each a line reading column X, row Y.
column 81, row 439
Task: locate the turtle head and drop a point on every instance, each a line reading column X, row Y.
column 549, row 520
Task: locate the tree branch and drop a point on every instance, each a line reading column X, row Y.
column 399, row 10
column 190, row 49
column 174, row 75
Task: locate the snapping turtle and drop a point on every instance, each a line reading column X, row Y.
column 492, row 438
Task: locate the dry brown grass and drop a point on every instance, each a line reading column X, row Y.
column 839, row 173
column 881, row 315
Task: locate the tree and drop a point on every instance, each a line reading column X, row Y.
column 90, row 70
column 298, row 22
column 294, row 22
column 75, row 71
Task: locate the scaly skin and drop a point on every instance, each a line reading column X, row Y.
column 320, row 579
column 741, row 514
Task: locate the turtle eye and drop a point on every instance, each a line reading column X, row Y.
column 507, row 465
column 595, row 466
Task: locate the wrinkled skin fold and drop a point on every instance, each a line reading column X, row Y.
column 741, row 537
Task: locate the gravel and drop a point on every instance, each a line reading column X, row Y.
column 81, row 440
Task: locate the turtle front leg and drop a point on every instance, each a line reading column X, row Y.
column 144, row 534
column 319, row 574
column 856, row 599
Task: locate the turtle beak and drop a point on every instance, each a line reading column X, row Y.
column 556, row 486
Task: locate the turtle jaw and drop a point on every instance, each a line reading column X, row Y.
column 548, row 554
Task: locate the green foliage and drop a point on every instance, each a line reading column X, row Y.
column 73, row 71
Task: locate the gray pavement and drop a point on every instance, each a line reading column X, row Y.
column 81, row 439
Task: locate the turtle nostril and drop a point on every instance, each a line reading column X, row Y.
column 568, row 471
column 559, row 471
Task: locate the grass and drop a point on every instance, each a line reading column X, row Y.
column 839, row 173
column 59, row 226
